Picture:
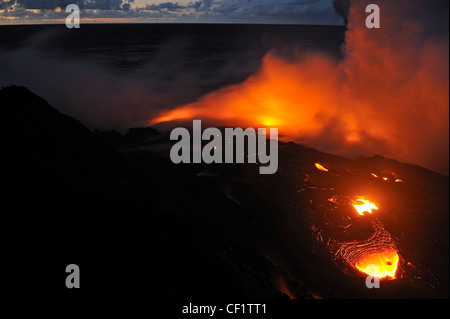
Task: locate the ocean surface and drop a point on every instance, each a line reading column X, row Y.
column 129, row 47
column 168, row 64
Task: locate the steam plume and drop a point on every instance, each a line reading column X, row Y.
column 388, row 95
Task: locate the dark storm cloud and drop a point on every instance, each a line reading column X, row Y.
column 342, row 7
column 198, row 6
column 264, row 6
column 86, row 4
column 169, row 6
column 6, row 4
column 107, row 4
column 228, row 11
column 44, row 4
column 206, row 3
column 294, row 10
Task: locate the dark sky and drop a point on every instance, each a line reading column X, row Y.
column 221, row 11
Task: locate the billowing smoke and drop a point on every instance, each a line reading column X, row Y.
column 342, row 7
column 388, row 95
column 91, row 93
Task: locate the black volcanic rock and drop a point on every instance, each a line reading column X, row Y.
column 55, row 148
column 142, row 132
column 134, row 136
column 69, row 198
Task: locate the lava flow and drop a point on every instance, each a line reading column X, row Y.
column 364, row 206
column 377, row 256
column 363, row 244
column 380, row 264
column 321, row 168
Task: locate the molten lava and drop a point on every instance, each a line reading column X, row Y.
column 379, row 264
column 376, row 256
column 321, row 168
column 363, row 206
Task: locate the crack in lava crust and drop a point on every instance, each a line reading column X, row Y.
column 379, row 250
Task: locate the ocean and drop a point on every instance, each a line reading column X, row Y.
column 169, row 64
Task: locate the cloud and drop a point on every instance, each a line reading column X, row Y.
column 42, row 11
column 169, row 6
column 107, row 4
column 253, row 11
column 44, row 4
column 286, row 11
column 6, row 4
column 53, row 4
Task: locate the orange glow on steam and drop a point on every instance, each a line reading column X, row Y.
column 359, row 104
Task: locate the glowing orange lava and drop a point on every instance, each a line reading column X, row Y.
column 361, row 205
column 379, row 264
column 321, row 168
